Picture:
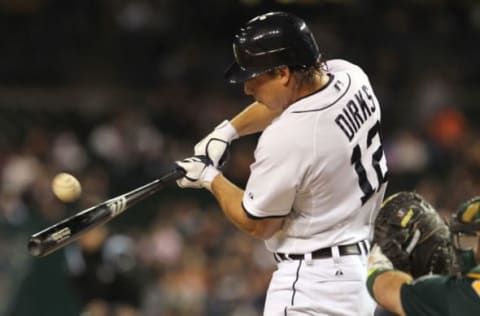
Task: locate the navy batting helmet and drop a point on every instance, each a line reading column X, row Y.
column 271, row 40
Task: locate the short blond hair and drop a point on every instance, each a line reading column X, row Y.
column 307, row 76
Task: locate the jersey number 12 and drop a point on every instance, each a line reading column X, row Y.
column 377, row 156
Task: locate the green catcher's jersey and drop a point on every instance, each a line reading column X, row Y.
column 443, row 295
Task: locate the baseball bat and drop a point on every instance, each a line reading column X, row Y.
column 70, row 229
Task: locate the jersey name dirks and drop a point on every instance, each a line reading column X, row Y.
column 356, row 112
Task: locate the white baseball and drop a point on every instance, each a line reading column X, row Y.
column 66, row 187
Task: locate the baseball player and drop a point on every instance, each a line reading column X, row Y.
column 319, row 173
column 434, row 295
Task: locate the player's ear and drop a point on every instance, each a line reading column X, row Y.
column 284, row 74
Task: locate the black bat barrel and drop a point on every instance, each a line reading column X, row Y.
column 71, row 228
column 68, row 230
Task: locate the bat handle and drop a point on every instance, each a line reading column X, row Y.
column 173, row 175
column 138, row 194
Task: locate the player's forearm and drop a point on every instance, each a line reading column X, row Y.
column 253, row 119
column 229, row 196
column 386, row 289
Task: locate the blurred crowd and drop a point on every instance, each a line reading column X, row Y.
column 115, row 91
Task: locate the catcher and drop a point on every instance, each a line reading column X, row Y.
column 412, row 240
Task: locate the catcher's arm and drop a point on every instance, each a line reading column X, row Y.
column 387, row 288
column 384, row 283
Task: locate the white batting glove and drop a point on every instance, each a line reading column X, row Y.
column 377, row 260
column 215, row 144
column 199, row 173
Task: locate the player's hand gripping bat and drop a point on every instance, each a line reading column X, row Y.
column 71, row 228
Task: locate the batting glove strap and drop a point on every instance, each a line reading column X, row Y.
column 215, row 144
column 209, row 174
column 227, row 130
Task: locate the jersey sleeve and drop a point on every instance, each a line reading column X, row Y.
column 427, row 293
column 272, row 185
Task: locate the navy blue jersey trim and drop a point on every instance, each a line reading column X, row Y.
column 334, row 102
column 251, row 216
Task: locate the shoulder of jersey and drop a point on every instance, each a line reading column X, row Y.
column 342, row 65
column 278, row 134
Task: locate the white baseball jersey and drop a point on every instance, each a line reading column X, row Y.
column 321, row 165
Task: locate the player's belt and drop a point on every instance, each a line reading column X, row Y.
column 323, row 253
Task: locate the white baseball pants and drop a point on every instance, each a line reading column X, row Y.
column 323, row 287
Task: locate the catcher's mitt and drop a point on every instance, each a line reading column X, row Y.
column 412, row 235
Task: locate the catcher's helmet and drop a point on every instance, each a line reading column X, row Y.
column 271, row 40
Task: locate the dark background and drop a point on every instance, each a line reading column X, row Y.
column 114, row 91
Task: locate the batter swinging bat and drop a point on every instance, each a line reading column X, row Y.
column 71, row 228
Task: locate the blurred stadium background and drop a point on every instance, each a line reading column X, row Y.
column 114, row 91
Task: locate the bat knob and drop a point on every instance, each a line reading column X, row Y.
column 35, row 247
